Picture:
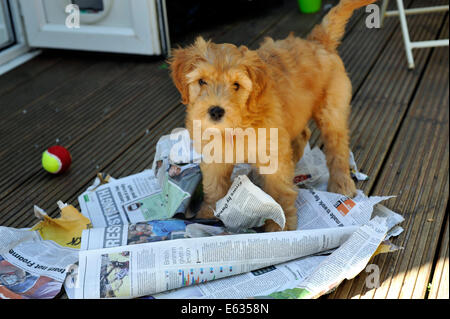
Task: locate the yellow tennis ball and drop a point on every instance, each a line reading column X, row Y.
column 56, row 159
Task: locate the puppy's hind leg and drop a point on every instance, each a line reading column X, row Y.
column 332, row 120
column 280, row 186
column 298, row 144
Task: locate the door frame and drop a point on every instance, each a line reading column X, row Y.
column 21, row 47
column 138, row 39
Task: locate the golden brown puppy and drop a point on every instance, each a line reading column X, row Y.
column 282, row 85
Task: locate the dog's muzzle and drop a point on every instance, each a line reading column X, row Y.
column 216, row 112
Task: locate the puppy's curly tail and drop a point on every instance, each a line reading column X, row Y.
column 330, row 32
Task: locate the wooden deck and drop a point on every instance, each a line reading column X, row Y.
column 110, row 111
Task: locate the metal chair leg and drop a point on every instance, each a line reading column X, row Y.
column 384, row 6
column 401, row 13
column 405, row 32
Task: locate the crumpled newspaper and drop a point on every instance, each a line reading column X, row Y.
column 312, row 171
column 247, row 206
column 65, row 230
column 177, row 148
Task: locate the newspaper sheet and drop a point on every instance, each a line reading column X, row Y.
column 146, row 232
column 145, row 269
column 177, row 148
column 317, row 209
column 122, row 235
column 127, row 200
column 344, row 263
column 178, row 183
column 139, row 197
column 176, row 162
column 151, row 231
column 31, row 267
column 290, row 275
column 247, row 206
column 259, row 282
column 312, row 171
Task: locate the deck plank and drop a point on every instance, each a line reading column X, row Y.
column 27, row 71
column 40, row 86
column 440, row 283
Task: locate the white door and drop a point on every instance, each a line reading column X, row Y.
column 6, row 27
column 122, row 26
column 13, row 46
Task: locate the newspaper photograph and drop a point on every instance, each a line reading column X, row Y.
column 178, row 183
column 31, row 267
column 160, row 266
column 122, row 235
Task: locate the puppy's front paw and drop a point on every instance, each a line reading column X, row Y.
column 271, row 226
column 342, row 184
column 291, row 222
column 205, row 212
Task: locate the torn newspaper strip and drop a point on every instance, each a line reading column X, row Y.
column 178, row 183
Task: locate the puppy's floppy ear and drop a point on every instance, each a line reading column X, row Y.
column 180, row 66
column 256, row 70
column 183, row 62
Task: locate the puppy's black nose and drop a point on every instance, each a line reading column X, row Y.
column 216, row 112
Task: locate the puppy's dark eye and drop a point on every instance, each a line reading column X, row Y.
column 201, row 82
column 236, row 86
